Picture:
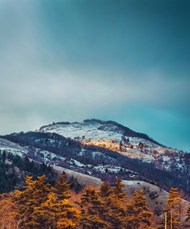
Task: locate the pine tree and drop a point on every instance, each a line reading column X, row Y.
column 55, row 213
column 92, row 210
column 35, row 193
column 62, row 187
column 115, row 204
column 138, row 212
column 106, row 202
column 44, row 214
column 105, row 190
column 118, row 190
column 174, row 209
column 118, row 204
column 67, row 215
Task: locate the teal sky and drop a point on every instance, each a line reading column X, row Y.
column 122, row 60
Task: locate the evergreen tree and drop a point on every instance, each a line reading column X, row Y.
column 92, row 208
column 138, row 212
column 45, row 213
column 118, row 190
column 118, row 204
column 56, row 213
column 62, row 187
column 174, row 207
column 115, row 204
column 35, row 193
column 67, row 215
column 105, row 190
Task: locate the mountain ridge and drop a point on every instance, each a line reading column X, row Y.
column 126, row 131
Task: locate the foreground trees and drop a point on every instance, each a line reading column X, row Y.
column 110, row 208
column 41, row 205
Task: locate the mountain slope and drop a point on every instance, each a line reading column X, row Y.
column 105, row 150
column 115, row 137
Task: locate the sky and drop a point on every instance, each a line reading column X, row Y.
column 121, row 60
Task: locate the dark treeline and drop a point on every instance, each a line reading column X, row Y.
column 14, row 169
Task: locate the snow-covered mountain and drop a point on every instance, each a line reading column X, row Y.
column 115, row 137
column 94, row 129
column 102, row 149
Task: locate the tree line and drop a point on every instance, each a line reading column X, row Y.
column 43, row 205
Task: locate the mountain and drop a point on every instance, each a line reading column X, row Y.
column 93, row 129
column 102, row 150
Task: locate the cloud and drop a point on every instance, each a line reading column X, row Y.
column 77, row 89
column 64, row 60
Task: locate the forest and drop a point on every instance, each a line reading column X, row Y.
column 40, row 204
